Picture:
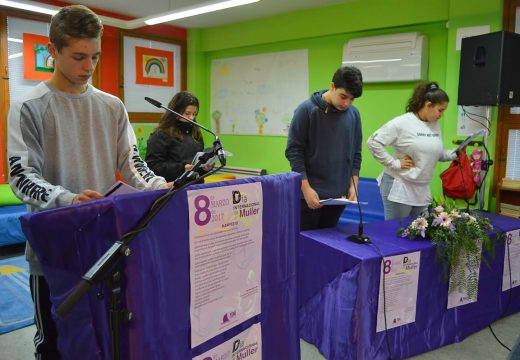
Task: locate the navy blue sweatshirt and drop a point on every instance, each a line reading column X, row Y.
column 324, row 145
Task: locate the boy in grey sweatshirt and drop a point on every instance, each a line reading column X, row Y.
column 66, row 141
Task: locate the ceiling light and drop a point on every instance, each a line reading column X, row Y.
column 197, row 11
column 28, row 7
column 370, row 61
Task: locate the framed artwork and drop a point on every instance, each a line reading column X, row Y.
column 38, row 64
column 153, row 66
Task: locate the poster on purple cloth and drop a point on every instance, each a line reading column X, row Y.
column 398, row 297
column 511, row 275
column 245, row 346
column 468, row 268
column 225, row 258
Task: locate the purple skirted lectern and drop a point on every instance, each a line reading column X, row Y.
column 156, row 281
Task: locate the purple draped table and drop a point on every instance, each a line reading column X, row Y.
column 68, row 241
column 339, row 286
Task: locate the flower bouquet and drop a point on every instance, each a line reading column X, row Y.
column 459, row 236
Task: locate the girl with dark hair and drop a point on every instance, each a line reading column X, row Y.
column 417, row 147
column 173, row 144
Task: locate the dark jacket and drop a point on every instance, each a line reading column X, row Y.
column 167, row 156
column 324, row 145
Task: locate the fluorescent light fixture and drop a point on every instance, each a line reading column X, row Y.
column 198, row 10
column 14, row 56
column 28, row 7
column 135, row 23
column 15, row 40
column 370, row 61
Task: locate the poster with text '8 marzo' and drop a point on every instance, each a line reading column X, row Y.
column 225, row 258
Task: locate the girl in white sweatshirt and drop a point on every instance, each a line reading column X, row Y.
column 417, row 147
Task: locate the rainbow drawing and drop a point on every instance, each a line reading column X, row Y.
column 155, row 67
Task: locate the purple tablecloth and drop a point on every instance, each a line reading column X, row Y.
column 339, row 286
column 69, row 240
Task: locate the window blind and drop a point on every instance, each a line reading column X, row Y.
column 513, row 155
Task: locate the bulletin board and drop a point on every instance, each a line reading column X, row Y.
column 257, row 95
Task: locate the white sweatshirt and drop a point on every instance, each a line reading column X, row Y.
column 422, row 141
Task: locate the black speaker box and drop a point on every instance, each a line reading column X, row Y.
column 490, row 69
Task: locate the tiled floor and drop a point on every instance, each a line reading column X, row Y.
column 17, row 345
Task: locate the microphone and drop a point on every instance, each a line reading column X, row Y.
column 359, row 238
column 217, row 144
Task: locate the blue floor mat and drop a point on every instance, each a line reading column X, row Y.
column 16, row 307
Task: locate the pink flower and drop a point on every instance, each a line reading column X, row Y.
column 445, row 219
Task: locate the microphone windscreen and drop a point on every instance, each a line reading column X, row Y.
column 153, row 102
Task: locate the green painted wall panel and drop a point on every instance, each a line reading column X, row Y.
column 331, row 29
column 355, row 15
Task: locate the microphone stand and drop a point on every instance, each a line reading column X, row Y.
column 108, row 266
column 359, row 238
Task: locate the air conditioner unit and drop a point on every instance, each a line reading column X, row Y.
column 387, row 58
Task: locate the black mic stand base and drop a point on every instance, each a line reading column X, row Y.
column 359, row 238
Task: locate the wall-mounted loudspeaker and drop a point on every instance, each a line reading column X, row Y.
column 490, row 70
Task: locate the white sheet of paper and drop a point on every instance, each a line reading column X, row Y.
column 340, row 201
column 401, row 274
column 211, row 161
column 225, row 258
column 119, row 188
column 512, row 256
column 470, row 138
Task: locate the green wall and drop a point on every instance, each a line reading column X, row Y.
column 323, row 32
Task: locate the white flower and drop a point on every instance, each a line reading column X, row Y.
column 445, row 219
column 422, row 223
column 439, row 209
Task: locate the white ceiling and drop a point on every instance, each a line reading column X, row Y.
column 263, row 8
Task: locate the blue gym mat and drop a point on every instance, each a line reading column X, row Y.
column 16, row 308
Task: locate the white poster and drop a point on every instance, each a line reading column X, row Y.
column 225, row 258
column 245, row 346
column 460, row 291
column 399, row 297
column 471, row 119
column 511, row 260
column 257, row 95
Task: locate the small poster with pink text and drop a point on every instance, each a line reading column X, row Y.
column 398, row 283
column 511, row 274
column 225, row 257
column 245, row 346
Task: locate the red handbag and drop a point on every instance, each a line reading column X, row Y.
column 457, row 180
